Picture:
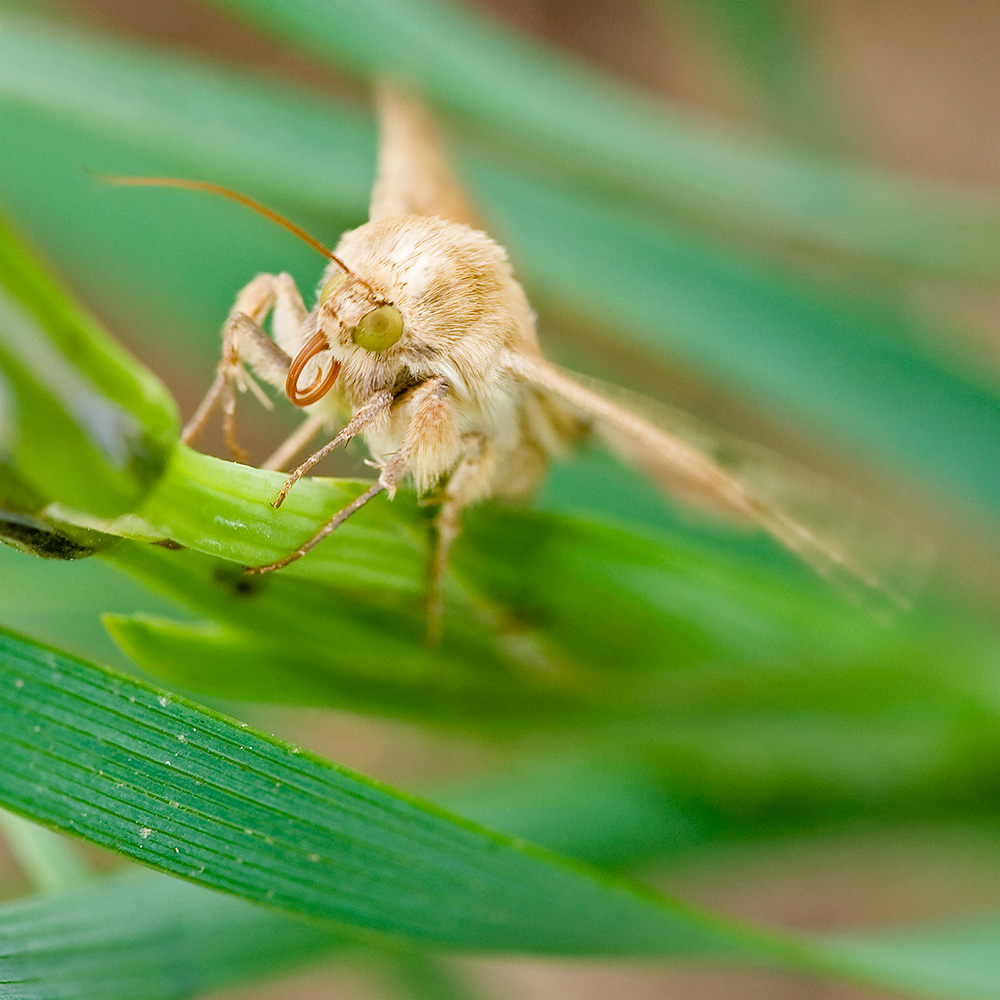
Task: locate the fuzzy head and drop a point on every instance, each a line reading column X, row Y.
column 421, row 297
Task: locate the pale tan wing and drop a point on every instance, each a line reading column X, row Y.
column 822, row 524
column 413, row 176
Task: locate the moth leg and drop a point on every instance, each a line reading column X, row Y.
column 425, row 400
column 389, row 476
column 375, row 411
column 469, row 482
column 288, row 315
column 245, row 342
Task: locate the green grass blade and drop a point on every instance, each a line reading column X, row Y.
column 843, row 715
column 413, row 976
column 599, row 811
column 80, row 421
column 140, row 936
column 182, row 789
column 676, row 603
column 610, row 808
column 518, row 93
column 100, row 755
column 711, row 653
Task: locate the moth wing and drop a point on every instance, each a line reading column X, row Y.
column 413, row 176
column 821, row 523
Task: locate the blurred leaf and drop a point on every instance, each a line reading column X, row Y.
column 82, row 423
column 82, row 591
column 140, row 936
column 710, row 653
column 765, row 46
column 961, row 959
column 520, row 95
column 414, row 976
column 608, row 807
column 47, row 858
column 215, row 114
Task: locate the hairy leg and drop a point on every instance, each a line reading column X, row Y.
column 370, row 415
column 424, row 400
column 245, row 342
column 469, row 482
column 389, row 476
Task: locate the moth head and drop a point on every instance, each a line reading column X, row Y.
column 419, row 296
column 350, row 313
column 352, row 318
column 378, row 328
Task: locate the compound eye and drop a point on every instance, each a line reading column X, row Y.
column 379, row 329
column 330, row 287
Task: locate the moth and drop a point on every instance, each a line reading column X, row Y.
column 422, row 342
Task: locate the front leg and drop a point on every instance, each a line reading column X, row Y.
column 245, row 342
column 371, row 415
column 431, row 423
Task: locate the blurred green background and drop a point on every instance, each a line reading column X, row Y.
column 781, row 217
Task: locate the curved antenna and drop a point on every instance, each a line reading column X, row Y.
column 240, row 199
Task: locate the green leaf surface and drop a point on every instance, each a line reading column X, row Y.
column 845, row 727
column 197, row 795
column 520, row 639
column 845, row 367
column 609, row 808
column 79, row 421
column 711, row 654
column 182, row 789
column 676, row 603
column 517, row 93
column 600, row 808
